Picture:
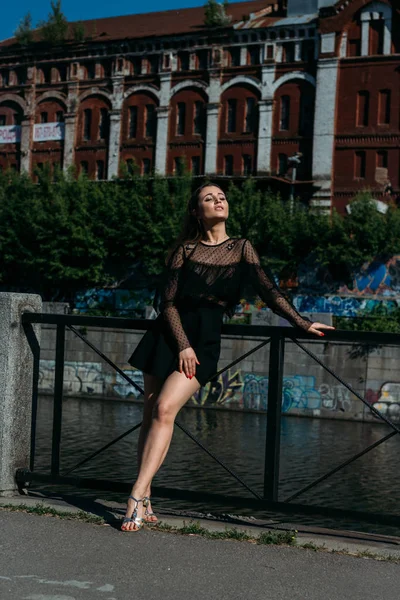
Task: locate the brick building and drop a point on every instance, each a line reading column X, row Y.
column 315, row 77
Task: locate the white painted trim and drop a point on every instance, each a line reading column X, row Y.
column 13, row 98
column 374, row 10
column 242, row 79
column 49, row 95
column 142, row 88
column 364, row 38
column 387, row 38
column 95, row 92
column 186, row 84
column 290, row 76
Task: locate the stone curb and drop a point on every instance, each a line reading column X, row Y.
column 318, row 538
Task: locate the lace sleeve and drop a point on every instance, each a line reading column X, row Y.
column 167, row 300
column 269, row 291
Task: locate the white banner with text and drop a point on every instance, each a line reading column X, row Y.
column 10, row 134
column 48, row 132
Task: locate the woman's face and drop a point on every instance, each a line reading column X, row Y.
column 212, row 205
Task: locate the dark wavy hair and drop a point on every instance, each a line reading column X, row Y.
column 192, row 229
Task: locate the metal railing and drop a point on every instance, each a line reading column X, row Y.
column 276, row 338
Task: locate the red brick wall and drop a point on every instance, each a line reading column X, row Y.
column 140, row 147
column 237, row 143
column 371, row 76
column 93, row 150
column 296, row 138
column 51, row 151
column 10, row 153
column 189, row 144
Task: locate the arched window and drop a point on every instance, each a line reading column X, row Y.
column 306, row 114
column 13, row 78
column 40, row 76
column 376, row 29
column 103, row 124
column 384, row 107
column 228, row 165
column 55, row 75
column 180, row 118
column 363, row 109
column 250, row 115
column 199, row 117
column 282, row 164
column 284, row 115
column 87, row 124
column 231, row 115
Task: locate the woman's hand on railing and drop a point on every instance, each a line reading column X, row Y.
column 187, row 362
column 315, row 328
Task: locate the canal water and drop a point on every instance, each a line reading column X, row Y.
column 309, row 448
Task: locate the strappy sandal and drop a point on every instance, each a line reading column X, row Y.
column 134, row 518
column 148, row 513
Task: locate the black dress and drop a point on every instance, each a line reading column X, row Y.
column 202, row 283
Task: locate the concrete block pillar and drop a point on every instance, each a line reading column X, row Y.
column 214, row 99
column 162, row 140
column 210, row 167
column 324, row 129
column 264, row 136
column 161, row 153
column 26, row 143
column 70, row 120
column 364, row 35
column 243, row 56
column 113, row 144
column 16, row 375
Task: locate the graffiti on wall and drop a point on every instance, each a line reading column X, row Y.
column 226, row 389
column 79, row 377
column 247, row 391
column 118, row 301
column 377, row 279
column 386, row 400
column 123, row 388
column 341, row 306
column 299, row 392
column 89, row 378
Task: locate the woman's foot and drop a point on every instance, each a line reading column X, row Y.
column 149, row 516
column 133, row 519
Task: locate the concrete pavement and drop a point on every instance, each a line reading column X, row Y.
column 48, row 558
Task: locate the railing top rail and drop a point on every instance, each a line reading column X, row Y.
column 366, row 337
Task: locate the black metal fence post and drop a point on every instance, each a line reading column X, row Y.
column 272, row 445
column 58, row 397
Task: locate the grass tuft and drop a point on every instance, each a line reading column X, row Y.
column 232, row 533
column 41, row 509
column 277, row 537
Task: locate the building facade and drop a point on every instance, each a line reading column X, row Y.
column 316, row 79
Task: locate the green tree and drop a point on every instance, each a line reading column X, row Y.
column 78, row 31
column 55, row 29
column 215, row 14
column 24, row 31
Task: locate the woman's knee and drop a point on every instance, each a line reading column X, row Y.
column 164, row 410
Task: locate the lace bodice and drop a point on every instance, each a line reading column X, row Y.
column 218, row 274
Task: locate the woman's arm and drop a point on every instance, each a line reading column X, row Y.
column 269, row 291
column 167, row 300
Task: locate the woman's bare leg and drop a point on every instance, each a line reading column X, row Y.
column 152, row 387
column 175, row 392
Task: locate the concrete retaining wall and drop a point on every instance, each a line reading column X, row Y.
column 308, row 389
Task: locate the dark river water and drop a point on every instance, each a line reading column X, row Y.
column 309, row 448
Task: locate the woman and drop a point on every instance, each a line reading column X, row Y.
column 179, row 354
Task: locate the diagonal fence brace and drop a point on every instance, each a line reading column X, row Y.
column 358, row 455
column 347, row 385
column 127, row 378
column 339, row 467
